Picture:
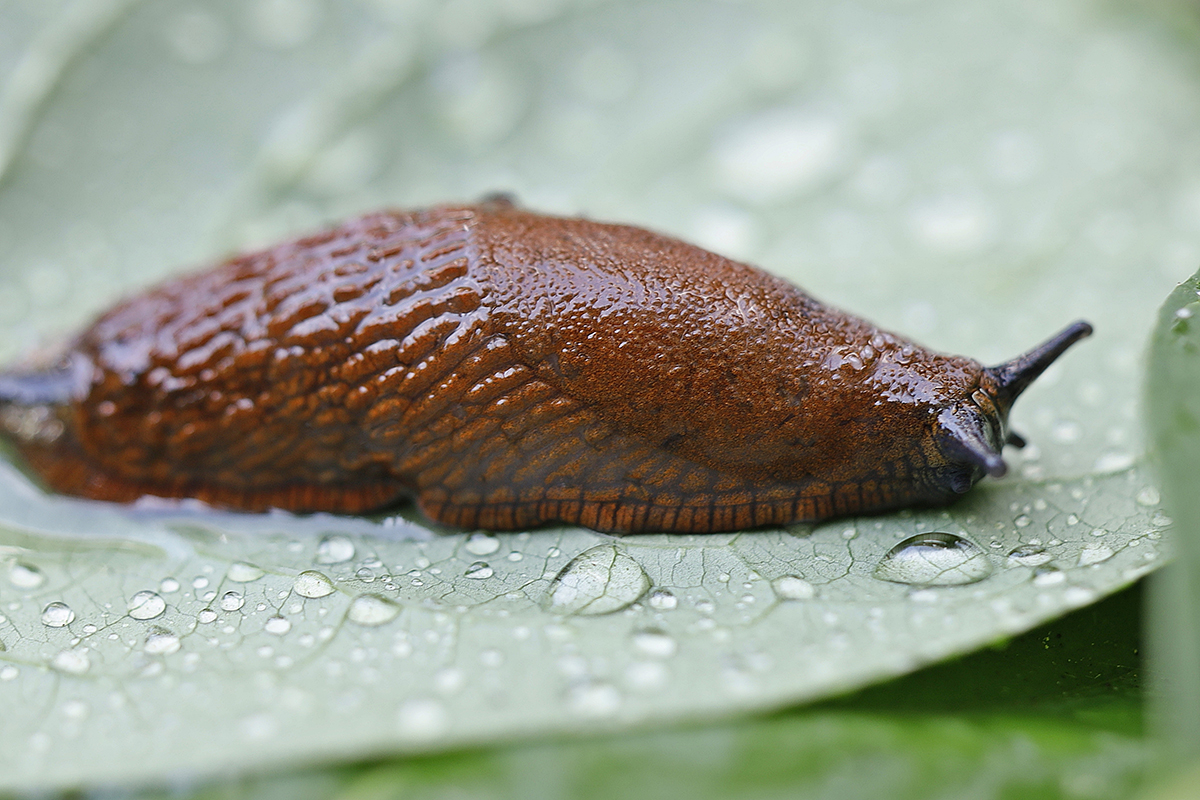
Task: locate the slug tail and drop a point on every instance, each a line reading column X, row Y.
column 1013, row 377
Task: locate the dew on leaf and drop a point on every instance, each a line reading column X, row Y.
column 8, row 672
column 206, row 615
column 161, row 642
column 1029, row 555
column 421, row 720
column 594, row 699
column 1095, row 554
column 371, row 610
column 654, row 642
column 168, row 585
column 277, row 625
column 792, row 587
column 232, row 601
column 1048, row 576
column 934, row 559
column 73, row 661
column 57, row 615
column 663, row 600
column 25, row 576
column 482, row 544
column 479, row 571
column 146, row 605
column 241, row 572
column 335, row 549
column 313, row 585
column 598, row 581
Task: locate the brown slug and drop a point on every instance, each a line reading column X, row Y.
column 509, row 369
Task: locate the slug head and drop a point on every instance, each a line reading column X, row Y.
column 970, row 435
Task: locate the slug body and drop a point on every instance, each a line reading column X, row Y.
column 509, row 369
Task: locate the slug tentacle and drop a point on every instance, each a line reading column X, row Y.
column 508, row 369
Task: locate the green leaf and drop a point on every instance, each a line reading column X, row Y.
column 919, row 168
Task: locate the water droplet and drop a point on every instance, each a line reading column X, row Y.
column 57, row 615
column 1028, row 555
column 1048, row 576
column 421, row 719
column 365, row 574
column 232, row 601
column 75, row 662
column 479, row 571
column 598, row 581
column 335, row 549
column 791, row 587
column 371, row 610
column 1094, row 554
column 25, row 576
column 312, row 584
column 8, row 672
column 168, row 585
column 277, row 625
column 654, row 642
column 161, row 642
column 594, row 699
column 663, row 600
column 1148, row 497
column 241, row 572
column 146, row 605
column 482, row 544
column 935, row 559
column 206, row 615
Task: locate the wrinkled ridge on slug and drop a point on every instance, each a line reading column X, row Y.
column 509, row 369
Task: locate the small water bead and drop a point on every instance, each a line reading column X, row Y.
column 371, row 610
column 479, row 571
column 57, row 615
column 1029, row 555
column 313, row 585
column 655, row 643
column 241, row 572
column 792, row 587
column 161, row 642
column 74, row 662
column 25, row 576
column 168, row 586
column 206, row 615
column 663, row 600
column 8, row 672
column 146, row 605
column 232, row 601
column 1148, row 497
column 934, row 559
column 1095, row 554
column 365, row 574
column 515, row 555
column 422, row 720
column 481, row 544
column 277, row 625
column 1048, row 576
column 598, row 581
column 594, row 699
column 334, row 549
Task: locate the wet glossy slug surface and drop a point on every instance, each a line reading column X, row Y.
column 509, row 369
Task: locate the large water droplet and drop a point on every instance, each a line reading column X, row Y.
column 482, row 544
column 335, row 549
column 241, row 572
column 792, row 587
column 146, row 605
column 312, row 584
column 232, row 601
column 161, row 642
column 57, row 615
column 479, row 571
column 598, row 581
column 371, row 610
column 934, row 559
column 25, row 576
